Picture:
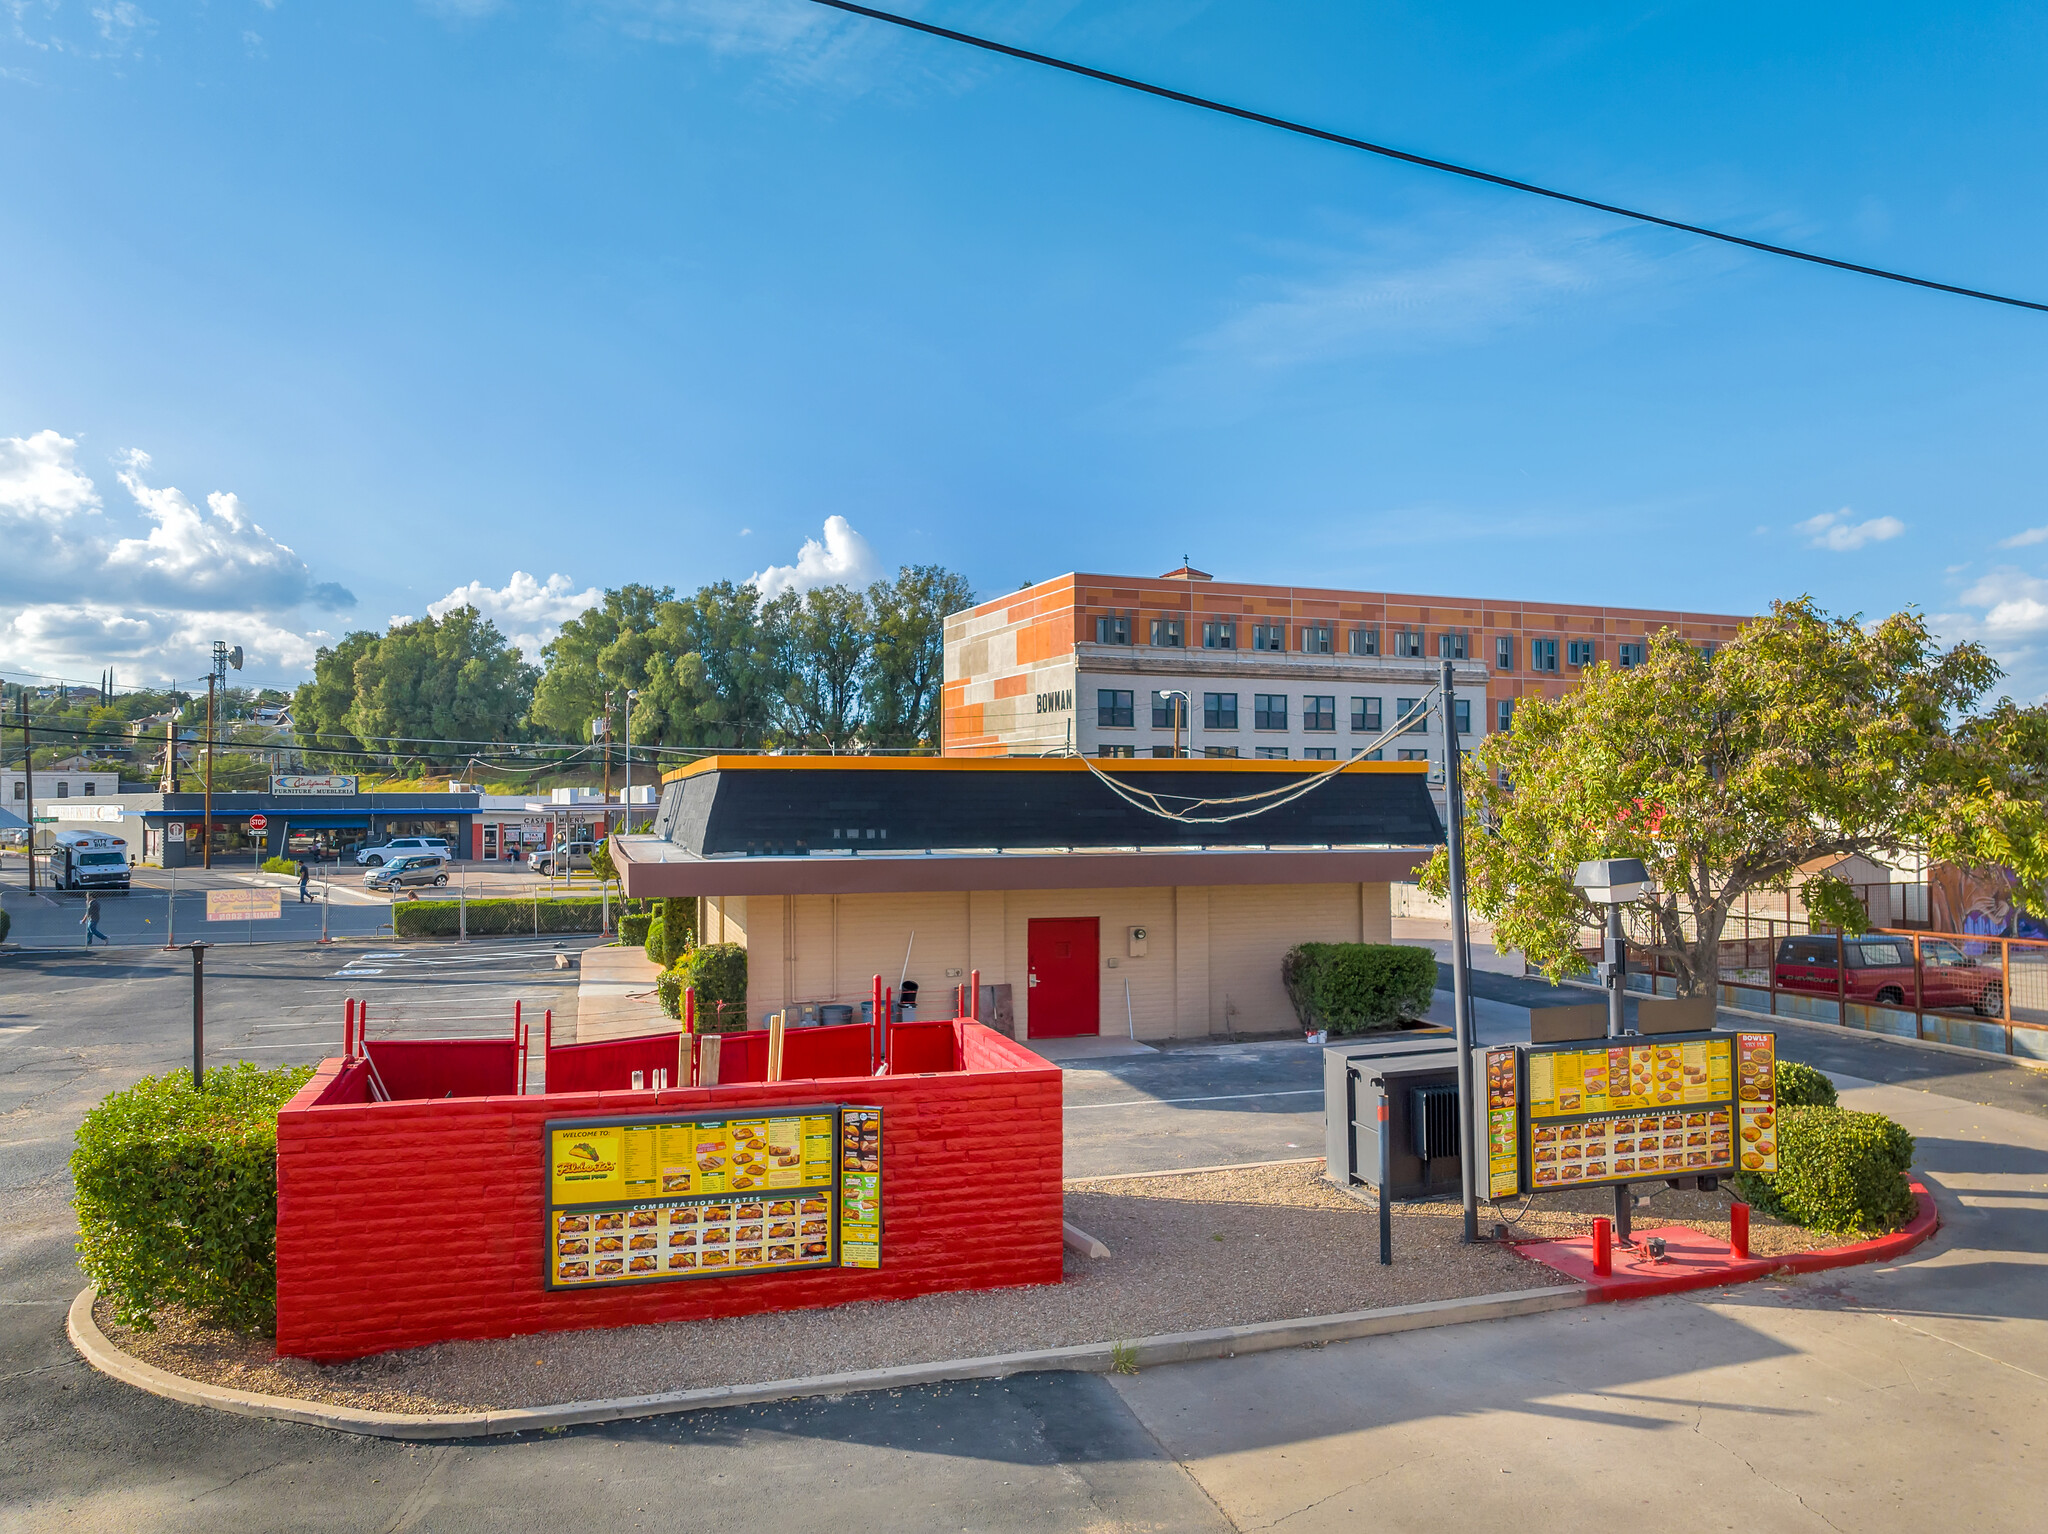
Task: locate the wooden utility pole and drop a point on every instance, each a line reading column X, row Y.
column 206, row 845
column 28, row 778
column 607, row 761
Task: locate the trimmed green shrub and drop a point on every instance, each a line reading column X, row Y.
column 6, row 923
column 176, row 1192
column 657, row 941
column 633, row 928
column 1358, row 987
column 492, row 918
column 679, row 925
column 718, row 974
column 1838, row 1171
column 669, row 990
column 281, row 866
column 601, row 862
column 1801, row 1086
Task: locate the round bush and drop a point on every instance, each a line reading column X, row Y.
column 633, row 928
column 1838, row 1171
column 1357, row 987
column 176, row 1192
column 1801, row 1086
column 6, row 923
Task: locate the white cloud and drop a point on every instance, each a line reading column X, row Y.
column 2009, row 617
column 843, row 559
column 1834, row 530
column 2027, row 539
column 77, row 596
column 528, row 612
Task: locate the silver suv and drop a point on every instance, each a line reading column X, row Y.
column 554, row 860
column 401, row 846
column 413, row 868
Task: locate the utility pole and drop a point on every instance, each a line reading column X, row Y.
column 206, row 843
column 607, row 760
column 1461, row 957
column 626, row 820
column 28, row 778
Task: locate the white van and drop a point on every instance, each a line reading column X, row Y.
column 88, row 860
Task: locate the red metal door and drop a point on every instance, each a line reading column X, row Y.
column 1066, row 995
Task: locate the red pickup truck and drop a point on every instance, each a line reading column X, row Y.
column 1881, row 973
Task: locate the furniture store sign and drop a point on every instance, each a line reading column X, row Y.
column 312, row 783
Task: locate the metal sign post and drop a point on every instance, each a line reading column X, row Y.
column 199, row 1015
column 1461, row 959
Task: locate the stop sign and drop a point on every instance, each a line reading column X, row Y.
column 258, row 822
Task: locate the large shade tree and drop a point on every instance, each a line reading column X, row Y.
column 909, row 618
column 433, row 688
column 1807, row 737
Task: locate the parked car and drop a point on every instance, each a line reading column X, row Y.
column 401, row 846
column 412, row 869
column 554, row 860
column 1881, row 973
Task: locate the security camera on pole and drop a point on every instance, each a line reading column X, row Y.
column 1614, row 883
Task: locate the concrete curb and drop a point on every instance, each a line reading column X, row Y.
column 1091, row 1358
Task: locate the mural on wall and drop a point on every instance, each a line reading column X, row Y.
column 1978, row 900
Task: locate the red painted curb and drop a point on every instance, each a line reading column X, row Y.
column 1574, row 1259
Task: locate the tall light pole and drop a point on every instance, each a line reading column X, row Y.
column 1183, row 710
column 1461, row 956
column 28, row 778
column 1613, row 883
column 626, row 820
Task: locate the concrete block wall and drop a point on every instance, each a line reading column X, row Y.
column 407, row 1223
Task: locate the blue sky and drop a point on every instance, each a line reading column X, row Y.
column 522, row 300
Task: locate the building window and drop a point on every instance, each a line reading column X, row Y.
column 1272, row 753
column 1269, row 710
column 63, row 789
column 1221, row 635
column 1318, row 713
column 1219, row 750
column 1116, row 752
column 1112, row 631
column 1543, row 655
column 1411, row 712
column 1365, row 641
column 1412, row 756
column 91, row 790
column 1168, row 633
column 1706, row 652
column 1269, row 636
column 1319, row 753
column 1504, row 653
column 1450, row 645
column 1219, row 712
column 1113, row 709
column 1580, row 652
column 1408, row 644
column 1165, row 705
column 1365, row 713
column 1166, row 751
column 1463, row 713
column 1316, row 639
column 1504, row 715
column 1370, row 756
column 18, row 787
column 1630, row 654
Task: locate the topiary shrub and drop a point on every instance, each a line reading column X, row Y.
column 669, row 990
column 176, row 1192
column 633, row 928
column 657, row 941
column 281, row 866
column 1357, row 987
column 1838, row 1171
column 679, row 926
column 718, row 974
column 1801, row 1086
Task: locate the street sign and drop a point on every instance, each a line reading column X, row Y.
column 258, row 822
column 244, row 905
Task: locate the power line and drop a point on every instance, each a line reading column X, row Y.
column 1448, row 167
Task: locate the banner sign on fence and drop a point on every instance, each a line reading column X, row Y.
column 243, row 905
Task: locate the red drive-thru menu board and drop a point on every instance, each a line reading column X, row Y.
column 658, row 1197
column 1641, row 1106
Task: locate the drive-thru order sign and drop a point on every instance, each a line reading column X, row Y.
column 243, row 905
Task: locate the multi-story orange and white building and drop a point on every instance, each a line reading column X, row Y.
column 1119, row 666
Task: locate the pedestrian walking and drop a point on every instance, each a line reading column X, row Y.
column 305, row 873
column 91, row 921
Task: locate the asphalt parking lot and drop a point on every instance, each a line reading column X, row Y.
column 1235, row 1444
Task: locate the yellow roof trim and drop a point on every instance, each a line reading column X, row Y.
column 1119, row 766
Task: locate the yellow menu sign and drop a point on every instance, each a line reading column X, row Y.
column 1503, row 1136
column 1622, row 1077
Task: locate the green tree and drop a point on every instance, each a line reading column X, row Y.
column 716, row 679
column 822, row 642
column 909, row 617
column 435, row 679
column 321, row 707
column 1806, row 736
column 608, row 646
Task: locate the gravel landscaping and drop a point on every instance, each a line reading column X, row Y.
column 1187, row 1253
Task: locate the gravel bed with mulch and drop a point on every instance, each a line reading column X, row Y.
column 1187, row 1253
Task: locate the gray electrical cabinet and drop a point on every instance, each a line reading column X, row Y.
column 1417, row 1081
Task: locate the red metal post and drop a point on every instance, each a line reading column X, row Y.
column 2005, row 988
column 1919, row 992
column 348, row 1028
column 1603, row 1246
column 1738, row 1229
column 515, row 1019
column 690, row 1009
column 1841, row 979
column 876, row 1034
column 974, row 994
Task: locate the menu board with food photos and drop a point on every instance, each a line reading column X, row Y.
column 661, row 1197
column 860, row 1187
column 1503, row 1129
column 1645, row 1106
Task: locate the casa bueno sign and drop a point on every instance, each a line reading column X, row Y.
column 312, row 783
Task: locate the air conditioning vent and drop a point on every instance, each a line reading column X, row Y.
column 1433, row 1119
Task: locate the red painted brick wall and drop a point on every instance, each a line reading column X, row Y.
column 406, row 1223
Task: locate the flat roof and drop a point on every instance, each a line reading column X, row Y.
column 1125, row 766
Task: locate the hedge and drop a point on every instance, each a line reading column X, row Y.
column 1838, row 1171
column 490, row 918
column 657, row 941
column 176, row 1192
column 1801, row 1086
column 1357, row 987
column 281, row 866
column 633, row 928
column 679, row 925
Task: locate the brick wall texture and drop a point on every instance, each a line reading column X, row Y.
column 406, row 1223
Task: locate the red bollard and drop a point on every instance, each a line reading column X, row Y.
column 1603, row 1247
column 974, row 994
column 1738, row 1229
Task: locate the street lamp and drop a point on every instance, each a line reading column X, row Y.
column 626, row 820
column 1614, row 883
column 1183, row 709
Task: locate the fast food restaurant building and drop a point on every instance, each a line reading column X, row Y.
column 1083, row 913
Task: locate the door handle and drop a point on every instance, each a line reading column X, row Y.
column 1034, row 977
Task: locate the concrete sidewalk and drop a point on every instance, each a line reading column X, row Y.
column 615, row 996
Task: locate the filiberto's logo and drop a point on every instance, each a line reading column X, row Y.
column 582, row 1159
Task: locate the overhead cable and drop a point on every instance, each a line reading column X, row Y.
column 1448, row 167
